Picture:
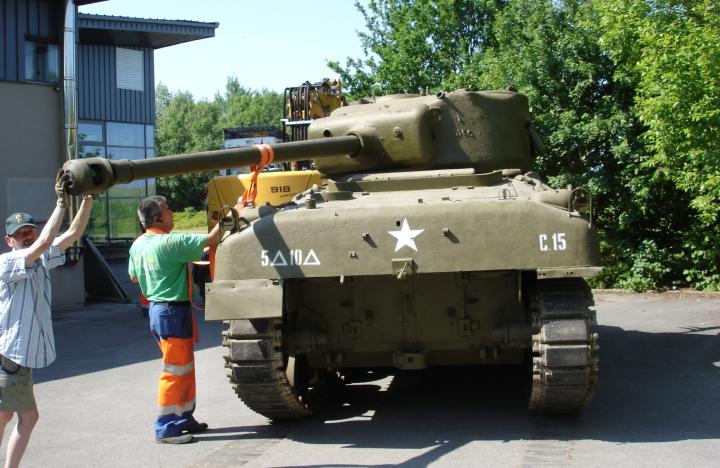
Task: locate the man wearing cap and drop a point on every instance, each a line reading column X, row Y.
column 26, row 334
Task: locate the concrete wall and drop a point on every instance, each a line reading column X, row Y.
column 31, row 151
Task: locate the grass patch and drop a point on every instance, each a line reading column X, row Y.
column 190, row 220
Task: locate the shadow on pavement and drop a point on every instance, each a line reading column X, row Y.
column 269, row 432
column 653, row 387
column 102, row 336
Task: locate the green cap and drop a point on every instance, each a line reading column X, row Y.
column 16, row 221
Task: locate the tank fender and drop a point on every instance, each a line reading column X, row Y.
column 243, row 299
column 559, row 198
column 577, row 199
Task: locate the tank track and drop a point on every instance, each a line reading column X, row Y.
column 564, row 345
column 258, row 369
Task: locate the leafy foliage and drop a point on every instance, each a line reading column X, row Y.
column 626, row 94
column 416, row 44
column 675, row 57
column 186, row 126
column 190, row 220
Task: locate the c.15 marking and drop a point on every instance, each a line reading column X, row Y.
column 556, row 241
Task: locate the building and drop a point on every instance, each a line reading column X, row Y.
column 76, row 85
column 240, row 137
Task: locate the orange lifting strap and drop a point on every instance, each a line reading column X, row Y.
column 266, row 157
column 196, row 335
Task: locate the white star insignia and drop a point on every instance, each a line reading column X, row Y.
column 405, row 236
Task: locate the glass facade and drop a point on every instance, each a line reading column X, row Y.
column 114, row 217
column 125, row 134
column 88, row 131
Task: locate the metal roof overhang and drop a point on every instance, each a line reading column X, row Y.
column 140, row 32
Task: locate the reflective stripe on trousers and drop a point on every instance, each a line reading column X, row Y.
column 171, row 325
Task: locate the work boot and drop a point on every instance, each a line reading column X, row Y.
column 195, row 427
column 178, row 439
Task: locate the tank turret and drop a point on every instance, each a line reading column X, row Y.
column 484, row 131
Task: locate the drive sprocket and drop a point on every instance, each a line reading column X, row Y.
column 564, row 345
column 267, row 381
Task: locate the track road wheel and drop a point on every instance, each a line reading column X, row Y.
column 270, row 383
column 565, row 344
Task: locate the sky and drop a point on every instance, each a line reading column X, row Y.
column 266, row 44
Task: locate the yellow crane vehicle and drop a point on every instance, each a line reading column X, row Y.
column 267, row 183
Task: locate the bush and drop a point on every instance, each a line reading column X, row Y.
column 645, row 267
column 190, row 220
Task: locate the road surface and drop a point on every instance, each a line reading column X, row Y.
column 656, row 404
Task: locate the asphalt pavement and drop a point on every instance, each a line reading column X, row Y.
column 656, row 402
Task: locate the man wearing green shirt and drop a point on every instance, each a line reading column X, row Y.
column 158, row 262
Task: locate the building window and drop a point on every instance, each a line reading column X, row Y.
column 119, row 152
column 130, row 69
column 90, row 151
column 92, row 139
column 89, row 131
column 117, row 220
column 42, row 62
column 125, row 134
column 150, row 136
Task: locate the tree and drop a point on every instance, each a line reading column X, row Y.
column 669, row 49
column 241, row 107
column 412, row 45
column 163, row 96
column 181, row 129
column 187, row 126
column 549, row 51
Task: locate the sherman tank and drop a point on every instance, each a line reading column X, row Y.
column 430, row 242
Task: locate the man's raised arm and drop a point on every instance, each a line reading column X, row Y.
column 51, row 228
column 78, row 225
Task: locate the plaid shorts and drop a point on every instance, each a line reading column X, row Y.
column 16, row 391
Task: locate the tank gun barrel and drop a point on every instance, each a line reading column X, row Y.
column 95, row 175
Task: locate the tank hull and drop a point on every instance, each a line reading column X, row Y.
column 442, row 230
column 455, row 275
column 327, row 330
